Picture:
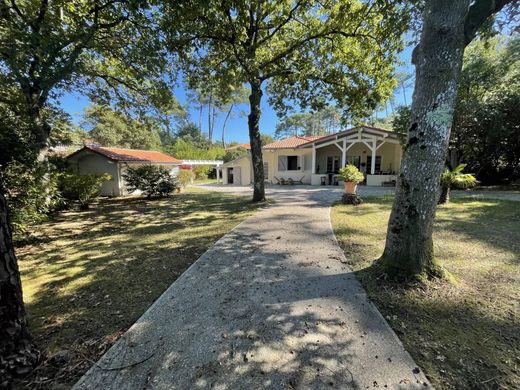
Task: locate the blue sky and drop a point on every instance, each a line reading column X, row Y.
column 236, row 130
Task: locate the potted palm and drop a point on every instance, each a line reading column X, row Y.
column 352, row 177
column 455, row 179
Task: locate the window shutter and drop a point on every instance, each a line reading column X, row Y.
column 300, row 162
column 282, row 163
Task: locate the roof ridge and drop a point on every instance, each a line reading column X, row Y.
column 116, row 147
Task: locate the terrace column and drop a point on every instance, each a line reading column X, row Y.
column 373, row 162
column 218, row 173
column 344, row 153
column 313, row 159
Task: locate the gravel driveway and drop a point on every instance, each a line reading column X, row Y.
column 270, row 306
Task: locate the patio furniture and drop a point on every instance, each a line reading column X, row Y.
column 323, row 180
column 280, row 181
column 290, row 181
column 300, row 181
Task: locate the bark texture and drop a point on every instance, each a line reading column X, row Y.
column 225, row 124
column 17, row 351
column 445, row 195
column 438, row 62
column 256, row 143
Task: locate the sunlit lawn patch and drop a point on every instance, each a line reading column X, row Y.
column 465, row 335
column 91, row 274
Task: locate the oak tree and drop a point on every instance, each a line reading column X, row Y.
column 448, row 27
column 47, row 47
column 307, row 52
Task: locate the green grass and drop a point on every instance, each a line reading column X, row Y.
column 90, row 274
column 464, row 335
column 205, row 181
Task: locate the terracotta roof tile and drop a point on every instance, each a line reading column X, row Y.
column 119, row 154
column 292, row 142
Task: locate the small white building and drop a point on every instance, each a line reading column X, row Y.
column 316, row 160
column 115, row 161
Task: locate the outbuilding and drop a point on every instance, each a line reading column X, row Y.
column 115, row 161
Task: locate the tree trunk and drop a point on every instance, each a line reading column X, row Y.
column 253, row 121
column 17, row 351
column 224, row 126
column 210, row 132
column 445, row 195
column 201, row 108
column 213, row 121
column 438, row 61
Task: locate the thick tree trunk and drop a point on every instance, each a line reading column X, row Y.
column 253, row 122
column 438, row 61
column 224, row 126
column 17, row 351
column 444, row 197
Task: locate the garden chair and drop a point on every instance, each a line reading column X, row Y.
column 300, row 181
column 290, row 181
column 279, row 181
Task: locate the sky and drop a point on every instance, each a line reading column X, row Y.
column 236, row 129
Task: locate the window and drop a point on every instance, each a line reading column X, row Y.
column 378, row 164
column 292, row 163
column 354, row 160
column 332, row 164
column 289, row 163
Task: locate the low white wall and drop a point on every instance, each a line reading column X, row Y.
column 377, row 180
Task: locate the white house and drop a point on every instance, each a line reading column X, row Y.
column 316, row 160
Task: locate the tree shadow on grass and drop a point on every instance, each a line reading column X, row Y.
column 460, row 340
column 261, row 310
column 103, row 267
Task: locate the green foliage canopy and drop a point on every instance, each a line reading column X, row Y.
column 486, row 127
column 109, row 127
column 308, row 51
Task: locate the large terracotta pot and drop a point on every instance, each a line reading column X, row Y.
column 350, row 187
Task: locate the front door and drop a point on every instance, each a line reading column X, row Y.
column 230, row 175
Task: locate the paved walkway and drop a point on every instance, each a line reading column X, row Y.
column 269, row 306
column 363, row 191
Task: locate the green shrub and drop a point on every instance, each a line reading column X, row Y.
column 202, row 171
column 184, row 177
column 31, row 193
column 151, row 180
column 350, row 173
column 82, row 188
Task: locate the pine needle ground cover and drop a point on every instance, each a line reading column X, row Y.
column 464, row 334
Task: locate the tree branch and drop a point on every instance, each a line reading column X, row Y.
column 282, row 24
column 478, row 13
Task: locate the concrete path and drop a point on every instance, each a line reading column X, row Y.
column 363, row 191
column 270, row 306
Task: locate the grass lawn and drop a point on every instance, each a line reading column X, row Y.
column 464, row 335
column 91, row 274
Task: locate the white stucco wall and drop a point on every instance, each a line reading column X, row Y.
column 271, row 157
column 246, row 171
column 89, row 162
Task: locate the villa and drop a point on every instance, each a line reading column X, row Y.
column 316, row 160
